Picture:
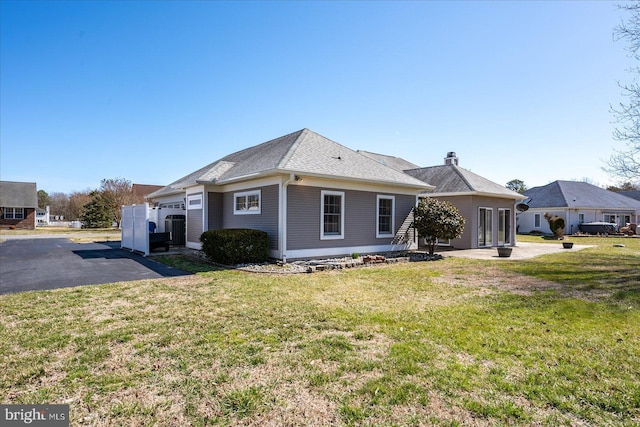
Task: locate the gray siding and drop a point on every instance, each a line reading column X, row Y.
column 468, row 207
column 194, row 225
column 303, row 218
column 404, row 204
column 214, row 206
column 266, row 221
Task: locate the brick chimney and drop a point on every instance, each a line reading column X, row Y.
column 451, row 158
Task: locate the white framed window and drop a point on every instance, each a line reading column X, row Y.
column 504, row 226
column 443, row 242
column 194, row 201
column 485, row 226
column 176, row 205
column 385, row 216
column 331, row 215
column 581, row 218
column 247, row 203
column 536, row 220
column 13, row 213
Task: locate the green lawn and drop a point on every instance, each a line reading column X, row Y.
column 59, row 230
column 550, row 341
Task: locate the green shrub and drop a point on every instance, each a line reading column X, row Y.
column 556, row 224
column 235, row 246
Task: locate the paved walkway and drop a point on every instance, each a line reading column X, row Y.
column 522, row 250
column 39, row 264
column 70, row 235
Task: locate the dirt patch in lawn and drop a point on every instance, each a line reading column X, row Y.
column 491, row 279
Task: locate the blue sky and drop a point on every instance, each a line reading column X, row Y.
column 153, row 90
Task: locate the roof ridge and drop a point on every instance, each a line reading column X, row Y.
column 301, row 135
column 457, row 168
column 561, row 188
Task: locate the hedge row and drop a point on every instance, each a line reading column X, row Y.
column 235, row 246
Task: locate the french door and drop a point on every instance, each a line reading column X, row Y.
column 485, row 227
column 504, row 227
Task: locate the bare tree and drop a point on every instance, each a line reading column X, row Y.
column 77, row 200
column 625, row 163
column 117, row 192
column 59, row 204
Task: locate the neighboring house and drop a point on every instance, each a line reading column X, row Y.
column 488, row 207
column 18, row 204
column 313, row 197
column 43, row 216
column 634, row 194
column 141, row 191
column 576, row 202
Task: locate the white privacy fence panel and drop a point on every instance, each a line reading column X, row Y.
column 135, row 228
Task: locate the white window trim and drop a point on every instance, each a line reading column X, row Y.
column 507, row 219
column 486, row 209
column 13, row 213
column 537, row 217
column 331, row 236
column 246, row 195
column 380, row 235
column 193, row 198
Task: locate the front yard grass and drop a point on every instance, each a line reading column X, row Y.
column 449, row 343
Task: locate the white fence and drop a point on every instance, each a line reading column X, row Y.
column 135, row 228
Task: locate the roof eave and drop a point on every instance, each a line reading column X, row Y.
column 417, row 186
column 477, row 193
column 271, row 172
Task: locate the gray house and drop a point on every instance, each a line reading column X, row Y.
column 576, row 202
column 313, row 197
column 488, row 207
column 18, row 204
column 634, row 194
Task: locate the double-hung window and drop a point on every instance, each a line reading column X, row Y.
column 332, row 215
column 247, row 203
column 385, row 218
column 536, row 220
column 13, row 213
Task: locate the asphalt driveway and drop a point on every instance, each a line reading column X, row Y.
column 51, row 263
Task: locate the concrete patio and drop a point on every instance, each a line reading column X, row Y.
column 522, row 250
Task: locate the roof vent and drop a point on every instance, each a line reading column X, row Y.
column 451, row 158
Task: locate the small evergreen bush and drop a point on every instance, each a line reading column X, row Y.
column 235, row 246
column 556, row 224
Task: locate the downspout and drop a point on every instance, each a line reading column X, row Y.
column 283, row 217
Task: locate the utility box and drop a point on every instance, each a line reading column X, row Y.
column 176, row 225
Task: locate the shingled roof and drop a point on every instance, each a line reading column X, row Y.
column 397, row 163
column 634, row 194
column 572, row 194
column 303, row 152
column 18, row 194
column 452, row 179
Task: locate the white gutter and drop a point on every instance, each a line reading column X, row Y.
column 282, row 220
column 475, row 193
column 417, row 185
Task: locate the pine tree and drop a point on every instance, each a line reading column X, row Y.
column 97, row 213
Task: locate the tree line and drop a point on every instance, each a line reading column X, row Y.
column 98, row 208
